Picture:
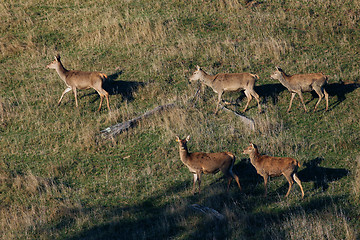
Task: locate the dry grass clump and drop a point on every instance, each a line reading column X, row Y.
column 274, row 137
column 332, row 224
column 30, row 202
column 356, row 183
column 4, row 112
column 269, row 124
column 275, row 47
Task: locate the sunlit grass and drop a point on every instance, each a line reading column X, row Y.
column 60, row 180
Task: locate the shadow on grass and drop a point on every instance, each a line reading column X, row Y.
column 248, row 214
column 340, row 90
column 270, row 91
column 266, row 92
column 269, row 224
column 146, row 220
column 123, row 88
column 321, row 176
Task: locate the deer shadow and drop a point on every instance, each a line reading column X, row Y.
column 266, row 91
column 321, row 176
column 339, row 89
column 271, row 90
column 123, row 88
column 249, row 178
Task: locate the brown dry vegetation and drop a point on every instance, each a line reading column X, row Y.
column 60, row 180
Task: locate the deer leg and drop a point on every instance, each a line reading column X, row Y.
column 99, row 90
column 101, row 100
column 62, row 95
column 302, row 100
column 291, row 100
column 103, row 94
column 229, row 182
column 199, row 181
column 194, row 182
column 297, row 180
column 249, row 97
column 107, row 101
column 218, row 102
column 265, row 184
column 76, row 102
column 327, row 100
column 256, row 96
column 320, row 93
column 233, row 175
column 202, row 89
column 291, row 182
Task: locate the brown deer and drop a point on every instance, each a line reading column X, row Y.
column 299, row 83
column 267, row 166
column 199, row 163
column 80, row 80
column 228, row 82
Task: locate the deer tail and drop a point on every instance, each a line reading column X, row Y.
column 256, row 76
column 232, row 156
column 326, row 78
column 103, row 76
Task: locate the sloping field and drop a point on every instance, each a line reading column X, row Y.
column 61, row 180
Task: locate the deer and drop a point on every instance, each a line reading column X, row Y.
column 299, row 83
column 207, row 163
column 75, row 79
column 228, row 82
column 267, row 166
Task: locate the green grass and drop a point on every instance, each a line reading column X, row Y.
column 60, row 180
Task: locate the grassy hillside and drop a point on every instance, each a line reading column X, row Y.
column 60, row 180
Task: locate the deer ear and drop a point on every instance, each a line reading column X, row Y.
column 188, row 138
column 177, row 139
column 57, row 57
column 279, row 69
column 197, row 67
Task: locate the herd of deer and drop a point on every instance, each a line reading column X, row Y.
column 203, row 163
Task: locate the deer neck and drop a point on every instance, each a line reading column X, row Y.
column 254, row 156
column 184, row 154
column 283, row 80
column 207, row 79
column 62, row 71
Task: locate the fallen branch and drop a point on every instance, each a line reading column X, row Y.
column 244, row 119
column 208, row 211
column 119, row 128
column 116, row 129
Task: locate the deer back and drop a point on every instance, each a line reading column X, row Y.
column 275, row 166
column 306, row 81
column 210, row 162
column 233, row 81
column 84, row 80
